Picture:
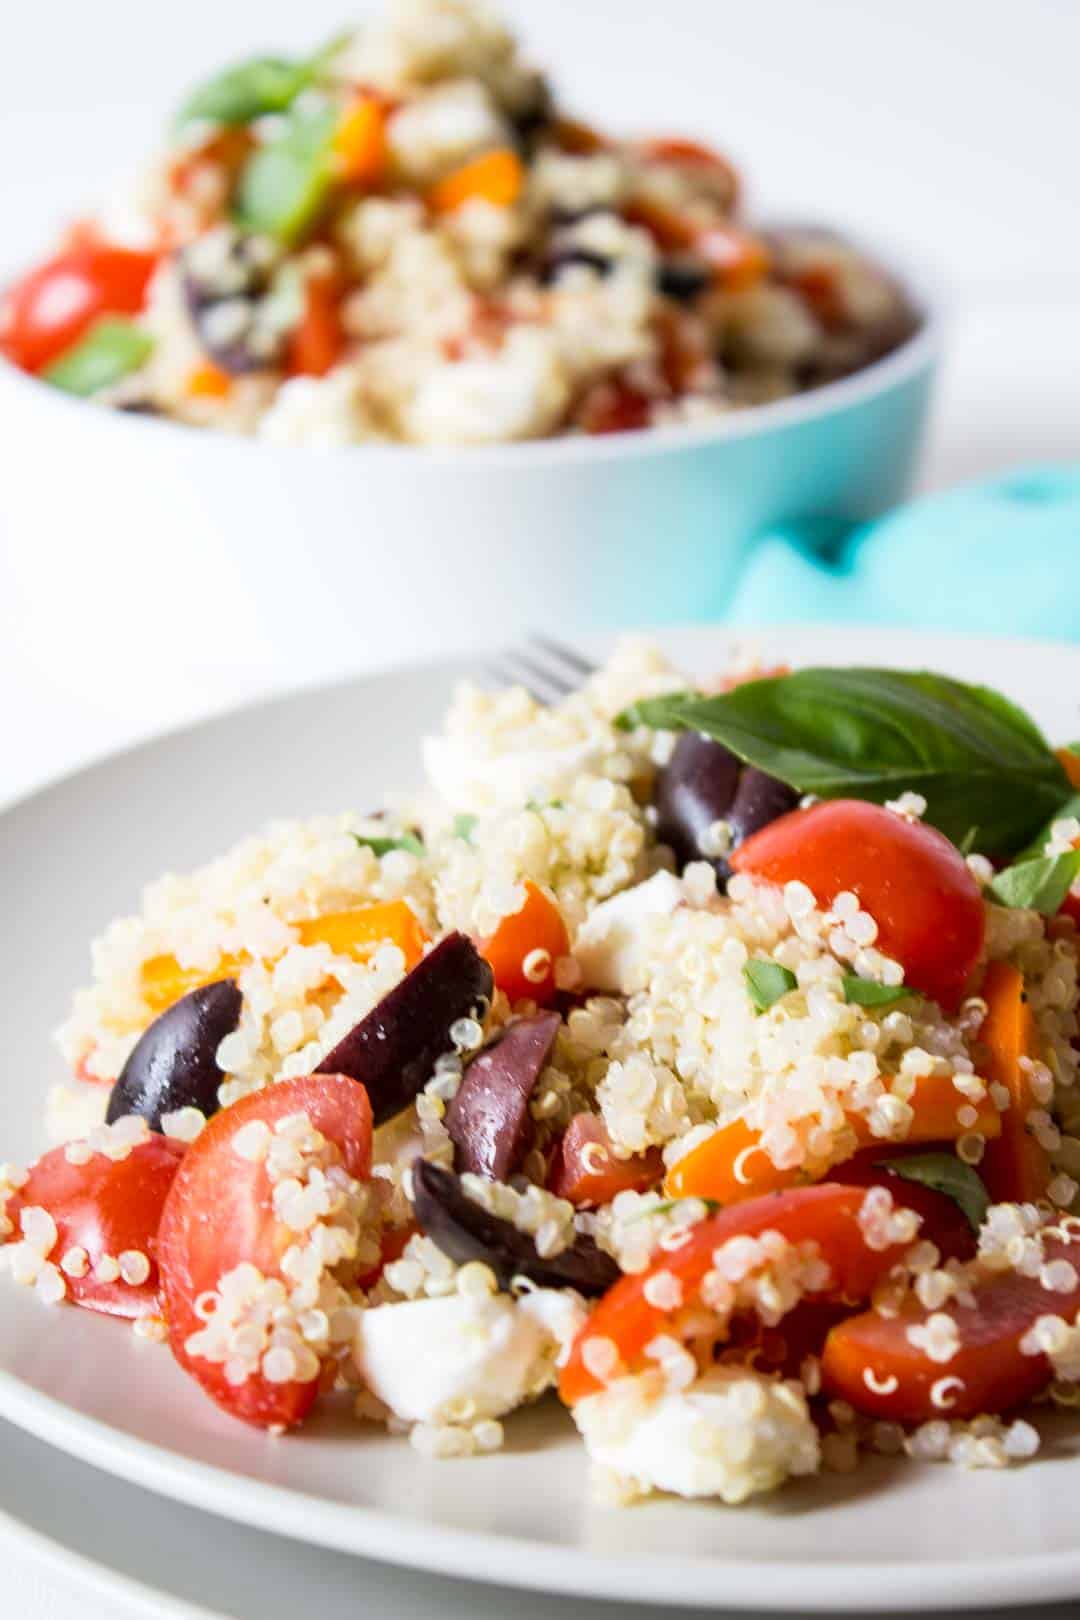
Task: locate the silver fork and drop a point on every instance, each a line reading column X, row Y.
column 547, row 669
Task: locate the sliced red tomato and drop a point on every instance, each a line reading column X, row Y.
column 613, row 405
column 915, row 884
column 219, row 1215
column 394, row 1240
column 695, row 156
column 586, row 1172
column 943, row 1221
column 870, row 1360
column 827, row 1215
column 107, row 1208
column 51, row 307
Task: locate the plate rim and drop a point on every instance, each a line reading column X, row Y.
column 490, row 1556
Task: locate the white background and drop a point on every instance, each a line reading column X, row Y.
column 949, row 127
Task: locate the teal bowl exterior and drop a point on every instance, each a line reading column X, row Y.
column 146, row 545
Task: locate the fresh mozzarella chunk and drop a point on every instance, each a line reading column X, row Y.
column 425, row 1359
column 731, row 1434
column 468, row 778
column 520, row 392
column 443, row 128
column 611, row 949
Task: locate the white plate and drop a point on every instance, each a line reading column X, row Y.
column 891, row 1536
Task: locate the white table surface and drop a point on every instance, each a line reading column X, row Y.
column 965, row 153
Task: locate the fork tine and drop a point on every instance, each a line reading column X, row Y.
column 567, row 656
column 546, row 685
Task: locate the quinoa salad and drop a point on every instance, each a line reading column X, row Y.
column 704, row 1057
column 402, row 238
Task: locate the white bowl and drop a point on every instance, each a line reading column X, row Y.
column 139, row 543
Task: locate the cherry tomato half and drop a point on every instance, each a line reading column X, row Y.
column 913, row 882
column 219, row 1214
column 50, row 308
column 871, row 1361
column 585, row 1170
column 826, row 1215
column 107, row 1207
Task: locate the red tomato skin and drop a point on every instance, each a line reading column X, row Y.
column 105, row 1206
column 81, row 284
column 913, row 882
column 571, row 1177
column 943, row 1221
column 218, row 1214
column 827, row 1214
column 996, row 1375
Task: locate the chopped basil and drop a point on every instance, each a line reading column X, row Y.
column 967, row 843
column 1039, row 885
column 868, row 993
column 109, row 351
column 463, row 827
column 545, row 804
column 767, row 982
column 874, row 733
column 945, row 1173
column 285, row 183
column 251, row 89
column 382, row 846
column 711, row 1206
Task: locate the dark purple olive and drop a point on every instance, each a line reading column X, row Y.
column 225, row 305
column 488, row 1120
column 532, row 120
column 173, row 1063
column 562, row 258
column 465, row 1231
column 682, row 279
column 392, row 1051
column 704, row 782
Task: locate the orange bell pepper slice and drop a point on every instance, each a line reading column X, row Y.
column 827, row 1215
column 357, row 932
column 586, row 1172
column 497, row 177
column 360, row 141
column 1015, row 1168
column 870, row 1361
column 208, row 382
column 731, row 1166
column 1069, row 761
column 536, row 931
column 316, row 344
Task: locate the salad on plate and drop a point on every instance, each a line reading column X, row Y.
column 705, row 1057
column 403, row 238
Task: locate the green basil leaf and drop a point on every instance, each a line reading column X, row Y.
column 109, row 351
column 967, row 843
column 868, row 993
column 767, row 982
column 463, row 827
column 1040, row 885
column 711, row 1207
column 874, row 733
column 247, row 90
column 945, row 1173
column 284, row 184
column 1036, row 850
column 382, row 846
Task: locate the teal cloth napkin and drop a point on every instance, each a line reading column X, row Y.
column 1000, row 557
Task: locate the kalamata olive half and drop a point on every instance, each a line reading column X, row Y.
column 704, row 782
column 392, row 1051
column 465, row 1231
column 682, row 279
column 559, row 259
column 173, row 1064
column 488, row 1120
